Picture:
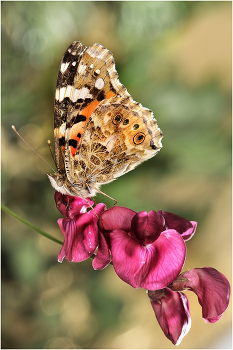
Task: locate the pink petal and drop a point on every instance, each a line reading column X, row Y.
column 116, row 218
column 212, row 289
column 88, row 233
column 81, row 238
column 126, row 257
column 185, row 228
column 81, row 234
column 60, row 223
column 68, row 228
column 187, row 235
column 98, row 210
column 138, row 225
column 102, row 258
column 146, row 228
column 172, row 312
column 71, row 206
column 165, row 259
column 151, row 267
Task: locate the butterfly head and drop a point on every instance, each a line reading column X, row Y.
column 76, row 189
column 59, row 183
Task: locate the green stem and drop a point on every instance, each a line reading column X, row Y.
column 35, row 228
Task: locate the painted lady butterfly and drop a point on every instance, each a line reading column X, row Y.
column 100, row 133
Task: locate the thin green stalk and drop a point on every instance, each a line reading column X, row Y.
column 35, row 228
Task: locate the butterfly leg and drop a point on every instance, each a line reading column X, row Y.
column 97, row 190
column 91, row 208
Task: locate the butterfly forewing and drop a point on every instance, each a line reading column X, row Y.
column 100, row 133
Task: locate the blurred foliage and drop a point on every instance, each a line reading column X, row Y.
column 174, row 58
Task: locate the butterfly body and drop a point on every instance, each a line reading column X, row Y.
column 100, row 133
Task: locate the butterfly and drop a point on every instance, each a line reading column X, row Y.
column 100, row 132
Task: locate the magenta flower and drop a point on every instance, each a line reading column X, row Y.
column 81, row 234
column 171, row 307
column 148, row 250
column 172, row 312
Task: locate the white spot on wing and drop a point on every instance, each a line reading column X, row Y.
column 68, row 91
column 62, row 129
column 99, row 84
column 64, row 66
column 81, row 94
column 62, row 93
column 72, row 93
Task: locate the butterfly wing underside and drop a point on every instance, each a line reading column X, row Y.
column 100, row 133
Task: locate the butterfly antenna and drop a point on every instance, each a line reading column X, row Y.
column 13, row 127
column 50, row 148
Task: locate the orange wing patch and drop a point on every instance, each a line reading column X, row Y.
column 89, row 109
column 110, row 94
column 78, row 128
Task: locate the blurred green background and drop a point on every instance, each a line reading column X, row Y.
column 174, row 58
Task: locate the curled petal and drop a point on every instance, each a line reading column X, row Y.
column 185, row 228
column 97, row 210
column 81, row 235
column 212, row 289
column 102, row 258
column 71, row 206
column 151, row 267
column 138, row 225
column 187, row 235
column 172, row 312
column 81, row 239
column 146, row 228
column 116, row 218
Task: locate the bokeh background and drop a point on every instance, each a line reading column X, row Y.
column 174, row 58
